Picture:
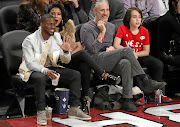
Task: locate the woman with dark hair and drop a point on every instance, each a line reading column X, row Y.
column 29, row 14
column 65, row 25
column 169, row 29
column 74, row 10
column 80, row 60
column 56, row 7
column 135, row 36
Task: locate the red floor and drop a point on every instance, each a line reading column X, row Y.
column 149, row 115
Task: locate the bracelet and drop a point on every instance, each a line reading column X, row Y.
column 102, row 39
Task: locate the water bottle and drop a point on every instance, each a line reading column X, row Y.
column 158, row 94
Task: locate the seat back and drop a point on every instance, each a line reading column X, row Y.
column 12, row 50
column 117, row 23
column 78, row 28
column 151, row 23
column 8, row 16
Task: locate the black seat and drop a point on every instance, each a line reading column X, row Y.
column 117, row 23
column 12, row 56
column 8, row 16
column 151, row 24
column 78, row 29
column 171, row 71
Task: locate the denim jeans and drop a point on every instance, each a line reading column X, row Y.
column 123, row 62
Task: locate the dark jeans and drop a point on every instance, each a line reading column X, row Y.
column 82, row 62
column 69, row 78
column 154, row 66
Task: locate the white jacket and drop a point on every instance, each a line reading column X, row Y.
column 33, row 48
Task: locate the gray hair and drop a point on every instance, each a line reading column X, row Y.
column 99, row 1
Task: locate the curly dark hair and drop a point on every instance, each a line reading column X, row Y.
column 38, row 4
column 127, row 16
column 173, row 7
column 64, row 13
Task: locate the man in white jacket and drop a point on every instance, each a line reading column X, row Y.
column 41, row 51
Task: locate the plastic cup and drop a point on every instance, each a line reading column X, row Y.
column 48, row 113
column 56, row 80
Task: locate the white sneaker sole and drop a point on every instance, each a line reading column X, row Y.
column 80, row 118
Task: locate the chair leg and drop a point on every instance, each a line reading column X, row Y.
column 21, row 101
column 5, row 116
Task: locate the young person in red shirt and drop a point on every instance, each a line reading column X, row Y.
column 135, row 36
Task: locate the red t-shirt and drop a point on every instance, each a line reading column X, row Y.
column 136, row 42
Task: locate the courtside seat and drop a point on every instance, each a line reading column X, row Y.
column 12, row 57
column 151, row 24
column 117, row 23
column 8, row 16
column 171, row 72
column 11, row 47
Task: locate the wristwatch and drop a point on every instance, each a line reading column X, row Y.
column 65, row 51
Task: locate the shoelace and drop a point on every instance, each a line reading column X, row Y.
column 113, row 77
column 85, row 105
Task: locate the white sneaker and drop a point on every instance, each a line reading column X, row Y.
column 41, row 117
column 77, row 113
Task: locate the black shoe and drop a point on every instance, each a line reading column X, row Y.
column 129, row 105
column 111, row 79
column 150, row 85
column 84, row 106
column 167, row 58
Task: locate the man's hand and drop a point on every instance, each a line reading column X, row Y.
column 110, row 49
column 75, row 2
column 51, row 74
column 101, row 26
column 65, row 46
